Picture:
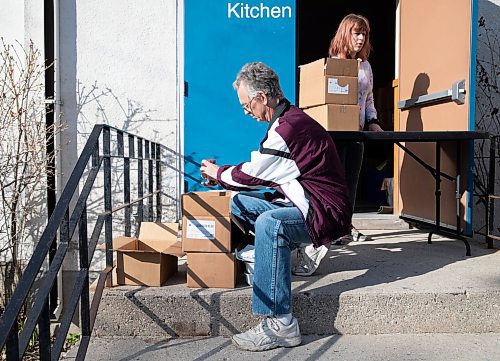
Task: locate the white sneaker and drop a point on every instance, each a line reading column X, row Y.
column 247, row 254
column 344, row 240
column 357, row 236
column 268, row 334
column 309, row 260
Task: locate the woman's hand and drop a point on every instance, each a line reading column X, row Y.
column 374, row 127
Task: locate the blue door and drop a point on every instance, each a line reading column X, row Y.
column 220, row 37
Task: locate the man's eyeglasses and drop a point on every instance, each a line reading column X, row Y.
column 247, row 107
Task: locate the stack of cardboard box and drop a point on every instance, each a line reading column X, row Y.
column 328, row 92
column 206, row 238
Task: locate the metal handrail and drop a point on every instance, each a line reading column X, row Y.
column 39, row 312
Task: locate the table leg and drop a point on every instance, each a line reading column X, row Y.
column 458, row 196
column 437, row 192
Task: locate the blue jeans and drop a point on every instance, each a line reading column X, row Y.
column 278, row 231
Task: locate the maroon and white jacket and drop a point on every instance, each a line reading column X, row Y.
column 298, row 158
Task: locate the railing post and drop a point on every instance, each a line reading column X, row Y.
column 120, row 152
column 140, row 180
column 108, row 220
column 84, row 265
column 44, row 333
column 126, row 186
column 13, row 342
column 158, row 183
column 148, row 155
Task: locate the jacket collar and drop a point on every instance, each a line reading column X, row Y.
column 282, row 107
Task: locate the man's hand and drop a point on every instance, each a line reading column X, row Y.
column 209, row 172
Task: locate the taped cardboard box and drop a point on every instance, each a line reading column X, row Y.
column 328, row 81
column 335, row 116
column 206, row 222
column 329, row 66
column 328, row 90
column 149, row 259
column 211, row 270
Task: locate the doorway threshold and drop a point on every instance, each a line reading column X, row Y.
column 375, row 220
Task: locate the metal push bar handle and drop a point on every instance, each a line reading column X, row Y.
column 456, row 93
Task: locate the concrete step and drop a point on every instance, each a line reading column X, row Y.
column 394, row 283
column 378, row 221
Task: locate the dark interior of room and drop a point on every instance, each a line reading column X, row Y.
column 317, row 22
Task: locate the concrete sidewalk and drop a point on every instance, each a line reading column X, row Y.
column 422, row 347
column 395, row 283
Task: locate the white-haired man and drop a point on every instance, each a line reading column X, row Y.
column 310, row 202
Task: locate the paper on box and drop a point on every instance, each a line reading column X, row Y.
column 328, row 90
column 206, row 234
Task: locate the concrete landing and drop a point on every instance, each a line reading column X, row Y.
column 394, row 283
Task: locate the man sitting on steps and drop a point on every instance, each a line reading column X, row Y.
column 309, row 205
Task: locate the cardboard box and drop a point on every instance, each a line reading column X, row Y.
column 328, row 81
column 206, row 222
column 216, row 270
column 329, row 66
column 328, row 90
column 211, row 203
column 335, row 116
column 150, row 259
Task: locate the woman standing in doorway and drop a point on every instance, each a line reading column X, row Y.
column 351, row 41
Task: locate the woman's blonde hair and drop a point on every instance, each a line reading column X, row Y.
column 340, row 45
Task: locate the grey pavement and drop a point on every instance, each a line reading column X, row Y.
column 398, row 347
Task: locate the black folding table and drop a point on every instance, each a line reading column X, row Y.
column 437, row 137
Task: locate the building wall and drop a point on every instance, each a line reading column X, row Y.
column 119, row 67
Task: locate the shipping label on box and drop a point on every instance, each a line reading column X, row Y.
column 217, row 270
column 200, row 229
column 206, row 234
column 335, row 88
column 328, row 90
column 335, row 116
